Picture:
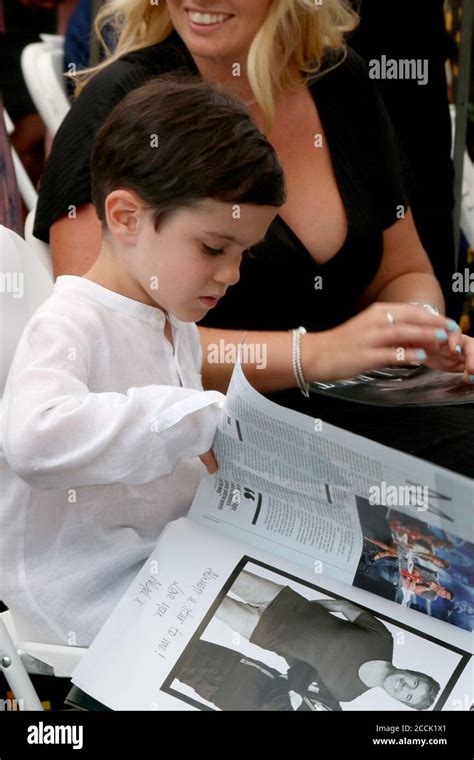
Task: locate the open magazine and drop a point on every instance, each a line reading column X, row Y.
column 402, row 386
column 316, row 570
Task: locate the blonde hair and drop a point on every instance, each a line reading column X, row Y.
column 300, row 30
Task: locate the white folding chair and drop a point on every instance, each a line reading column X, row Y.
column 24, row 183
column 25, row 283
column 42, row 67
column 41, row 250
column 19, row 658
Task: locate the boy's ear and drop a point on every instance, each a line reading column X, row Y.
column 123, row 210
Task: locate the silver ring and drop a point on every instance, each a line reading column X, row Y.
column 391, row 319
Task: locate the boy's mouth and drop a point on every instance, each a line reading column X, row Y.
column 210, row 300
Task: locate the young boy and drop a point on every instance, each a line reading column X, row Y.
column 105, row 417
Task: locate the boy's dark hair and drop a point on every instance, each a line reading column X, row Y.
column 178, row 140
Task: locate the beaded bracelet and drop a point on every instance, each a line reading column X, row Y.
column 296, row 360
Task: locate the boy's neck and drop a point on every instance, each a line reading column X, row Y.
column 106, row 272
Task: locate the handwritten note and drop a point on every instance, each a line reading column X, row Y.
column 172, row 602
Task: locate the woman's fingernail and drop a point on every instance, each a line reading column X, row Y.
column 441, row 335
column 421, row 355
column 452, row 325
column 458, row 349
column 471, row 378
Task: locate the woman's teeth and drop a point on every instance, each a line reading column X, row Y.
column 207, row 19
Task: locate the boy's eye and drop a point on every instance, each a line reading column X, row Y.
column 212, row 251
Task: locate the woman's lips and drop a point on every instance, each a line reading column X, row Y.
column 206, row 27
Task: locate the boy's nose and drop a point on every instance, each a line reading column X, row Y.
column 229, row 274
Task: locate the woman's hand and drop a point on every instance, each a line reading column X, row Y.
column 384, row 334
column 456, row 354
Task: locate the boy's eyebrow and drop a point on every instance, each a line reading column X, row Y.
column 231, row 238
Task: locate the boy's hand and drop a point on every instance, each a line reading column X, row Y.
column 209, row 460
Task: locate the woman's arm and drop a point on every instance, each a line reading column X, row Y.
column 269, row 368
column 405, row 273
column 75, row 243
column 363, row 343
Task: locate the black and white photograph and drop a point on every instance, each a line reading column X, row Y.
column 272, row 643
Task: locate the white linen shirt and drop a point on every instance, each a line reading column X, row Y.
column 100, row 447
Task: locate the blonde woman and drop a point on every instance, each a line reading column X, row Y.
column 342, row 258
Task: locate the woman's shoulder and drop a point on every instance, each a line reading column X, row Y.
column 344, row 67
column 168, row 54
column 60, row 188
column 135, row 68
column 344, row 86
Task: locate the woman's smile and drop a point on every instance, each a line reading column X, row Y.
column 206, row 21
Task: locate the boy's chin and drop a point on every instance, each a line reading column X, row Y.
column 192, row 313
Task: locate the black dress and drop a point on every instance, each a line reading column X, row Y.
column 279, row 286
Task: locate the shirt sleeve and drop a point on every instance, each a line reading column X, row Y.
column 300, row 675
column 372, row 625
column 60, row 434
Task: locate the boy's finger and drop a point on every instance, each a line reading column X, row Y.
column 209, row 460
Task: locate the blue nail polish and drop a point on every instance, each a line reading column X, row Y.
column 458, row 349
column 441, row 335
column 421, row 355
column 471, row 378
column 452, row 325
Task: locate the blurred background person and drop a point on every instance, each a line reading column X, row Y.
column 416, row 29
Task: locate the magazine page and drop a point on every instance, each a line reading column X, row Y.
column 214, row 624
column 411, row 561
column 313, row 493
column 401, row 386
